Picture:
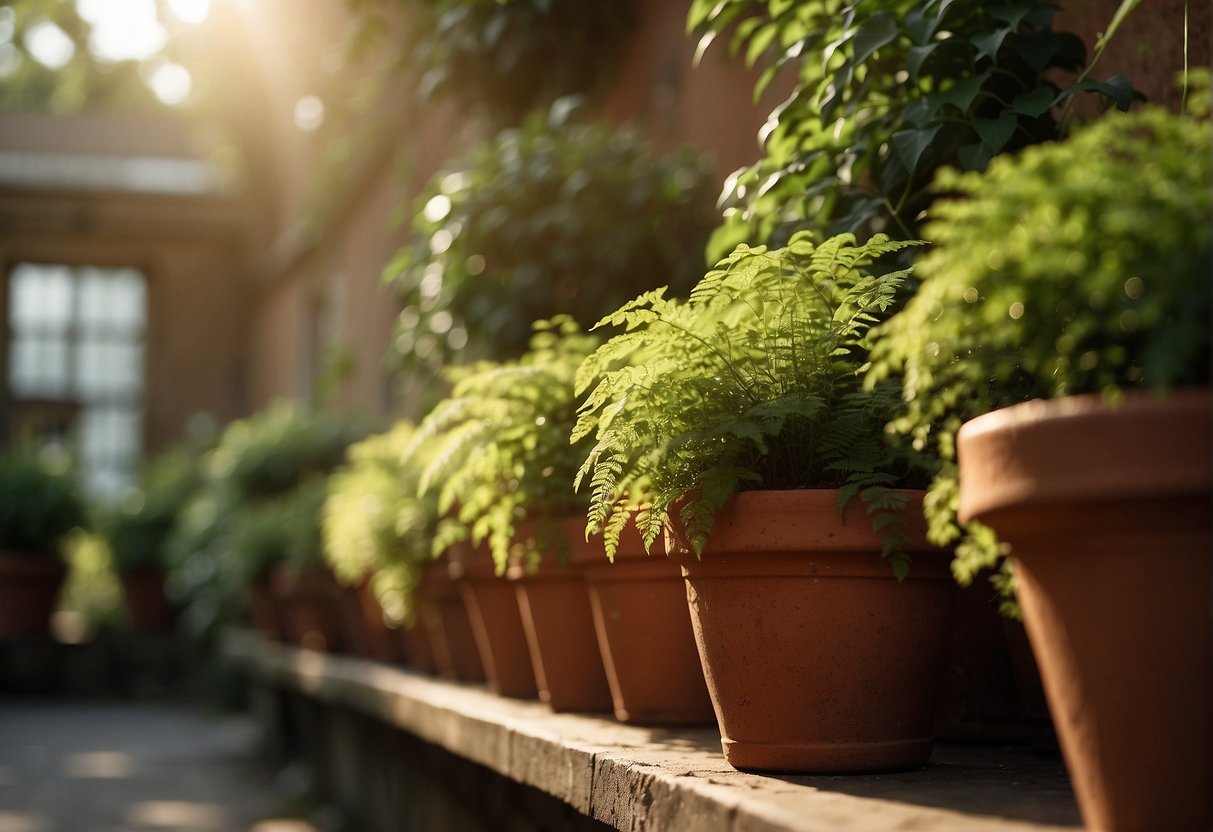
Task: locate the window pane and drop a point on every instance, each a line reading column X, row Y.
column 107, row 369
column 112, row 300
column 37, row 366
column 40, row 297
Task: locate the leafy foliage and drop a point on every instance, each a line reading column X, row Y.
column 752, row 382
column 887, row 92
column 497, row 58
column 1074, row 267
column 138, row 528
column 556, row 217
column 498, row 449
column 39, row 504
column 375, row 525
column 278, row 448
column 260, row 503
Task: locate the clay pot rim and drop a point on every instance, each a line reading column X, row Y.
column 808, row 520
column 1054, row 451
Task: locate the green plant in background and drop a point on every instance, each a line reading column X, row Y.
column 260, row 502
column 498, row 448
column 1078, row 266
column 278, row 448
column 555, row 217
column 284, row 528
column 375, row 525
column 39, row 503
column 138, row 528
column 887, row 92
column 754, row 382
column 499, row 59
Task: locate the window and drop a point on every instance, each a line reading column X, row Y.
column 76, row 340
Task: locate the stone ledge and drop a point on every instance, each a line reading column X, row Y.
column 670, row 780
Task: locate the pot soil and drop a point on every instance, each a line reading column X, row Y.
column 644, row 632
column 145, row 600
column 492, row 606
column 817, row 659
column 554, row 603
column 29, row 591
column 1107, row 513
column 447, row 627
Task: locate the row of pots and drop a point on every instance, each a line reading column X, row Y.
column 815, row 659
column 30, row 587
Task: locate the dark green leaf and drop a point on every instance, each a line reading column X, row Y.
column 910, row 145
column 974, row 156
column 961, row 94
column 878, row 31
column 1034, row 103
column 989, row 44
column 1117, row 88
column 995, row 132
column 917, row 55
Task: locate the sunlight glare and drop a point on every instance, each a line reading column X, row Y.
column 49, row 45
column 171, row 83
column 190, row 11
column 123, row 29
column 10, row 59
column 309, row 113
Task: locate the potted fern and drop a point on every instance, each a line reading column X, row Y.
column 38, row 506
column 1068, row 301
column 739, row 426
column 501, row 466
column 267, row 478
column 377, row 539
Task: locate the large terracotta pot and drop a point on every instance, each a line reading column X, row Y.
column 29, row 590
column 644, row 632
column 816, row 657
column 1107, row 513
column 559, row 625
column 447, row 627
column 492, row 606
column 149, row 607
column 308, row 608
column 362, row 618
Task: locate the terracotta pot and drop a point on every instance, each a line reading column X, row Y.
column 816, row 658
column 309, row 611
column 447, row 626
column 29, row 591
column 554, row 602
column 362, row 619
column 415, row 648
column 1107, row 513
column 145, row 599
column 644, row 632
column 990, row 688
column 492, row 606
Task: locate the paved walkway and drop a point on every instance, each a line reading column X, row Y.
column 87, row 767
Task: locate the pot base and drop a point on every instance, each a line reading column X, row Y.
column 827, row 757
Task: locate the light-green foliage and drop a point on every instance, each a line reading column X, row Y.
column 1078, row 266
column 375, row 525
column 498, row 450
column 752, row 382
